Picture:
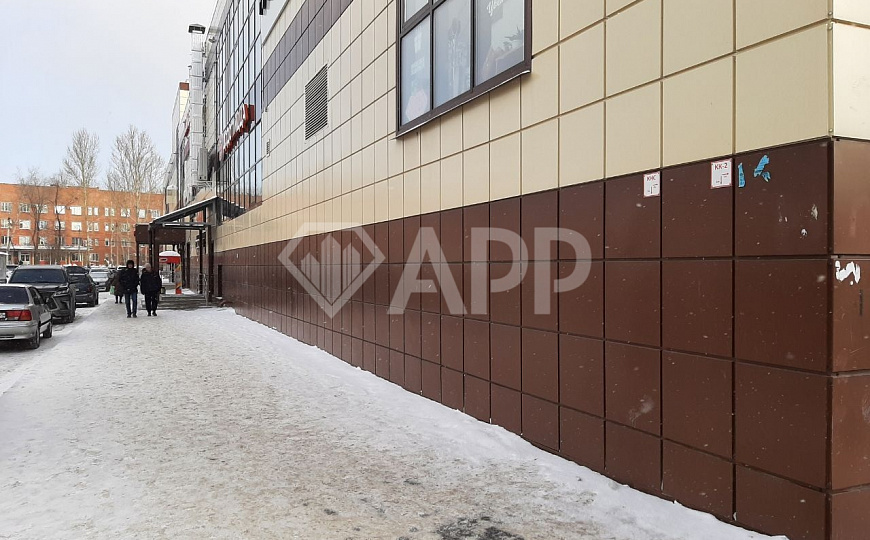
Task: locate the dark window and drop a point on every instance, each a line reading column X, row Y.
column 452, row 51
column 316, row 103
column 13, row 295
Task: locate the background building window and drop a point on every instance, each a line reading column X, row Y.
column 141, row 213
column 75, row 210
column 5, row 206
column 43, row 225
column 76, row 225
column 24, row 241
column 23, row 208
column 24, row 225
column 60, row 209
column 452, row 51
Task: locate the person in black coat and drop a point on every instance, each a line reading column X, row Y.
column 130, row 285
column 151, row 285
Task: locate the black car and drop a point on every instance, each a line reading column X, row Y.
column 87, row 291
column 53, row 283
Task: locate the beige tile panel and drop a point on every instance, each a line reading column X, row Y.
column 411, row 188
column 430, row 141
column 782, row 90
column 504, row 109
column 581, row 69
column 852, row 10
column 476, row 175
column 451, row 182
column 615, row 5
column 633, row 131
column 430, row 188
column 475, row 122
column 695, row 32
column 758, row 20
column 451, row 132
column 575, row 15
column 634, row 46
column 545, row 24
column 540, row 89
column 504, row 167
column 581, row 145
column 540, row 154
column 851, row 81
column 698, row 113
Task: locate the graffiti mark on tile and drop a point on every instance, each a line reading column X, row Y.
column 852, row 269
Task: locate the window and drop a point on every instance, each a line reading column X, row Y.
column 5, row 206
column 6, row 223
column 106, row 211
column 60, row 209
column 25, row 258
column 75, row 210
column 125, row 212
column 77, row 242
column 60, row 226
column 24, row 225
column 76, row 225
column 43, row 208
column 24, row 240
column 94, row 258
column 106, row 229
column 93, row 227
column 5, row 240
column 77, row 258
column 125, row 227
column 43, row 241
column 107, row 242
column 141, row 213
column 90, row 211
column 42, row 225
column 452, row 51
column 155, row 214
column 23, row 208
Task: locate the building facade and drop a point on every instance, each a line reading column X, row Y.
column 713, row 156
column 49, row 225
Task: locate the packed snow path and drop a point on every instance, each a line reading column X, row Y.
column 206, row 425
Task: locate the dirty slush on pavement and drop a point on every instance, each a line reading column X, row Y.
column 259, row 436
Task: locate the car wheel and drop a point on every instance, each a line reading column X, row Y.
column 33, row 343
column 96, row 299
column 50, row 331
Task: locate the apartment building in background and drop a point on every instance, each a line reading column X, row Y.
column 54, row 227
column 715, row 155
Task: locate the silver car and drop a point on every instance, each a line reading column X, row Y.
column 24, row 315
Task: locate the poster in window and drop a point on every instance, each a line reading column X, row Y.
column 500, row 37
column 416, row 76
column 452, row 50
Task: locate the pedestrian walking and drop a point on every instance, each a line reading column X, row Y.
column 151, row 285
column 129, row 278
column 116, row 288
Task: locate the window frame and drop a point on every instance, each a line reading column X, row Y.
column 477, row 89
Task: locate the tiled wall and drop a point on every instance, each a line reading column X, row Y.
column 712, row 356
column 616, row 87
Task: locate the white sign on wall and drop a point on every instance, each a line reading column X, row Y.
column 652, row 184
column 720, row 173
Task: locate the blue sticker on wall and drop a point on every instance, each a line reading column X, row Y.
column 759, row 171
column 741, row 178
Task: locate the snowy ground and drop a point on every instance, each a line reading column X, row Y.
column 205, row 425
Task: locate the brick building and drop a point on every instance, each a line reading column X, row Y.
column 51, row 225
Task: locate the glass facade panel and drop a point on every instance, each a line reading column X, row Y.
column 416, row 72
column 499, row 37
column 452, row 50
column 411, row 7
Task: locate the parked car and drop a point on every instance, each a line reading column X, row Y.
column 9, row 269
column 101, row 278
column 87, row 291
column 76, row 269
column 24, row 315
column 53, row 282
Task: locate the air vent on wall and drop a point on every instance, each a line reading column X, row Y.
column 316, row 103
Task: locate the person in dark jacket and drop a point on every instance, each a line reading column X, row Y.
column 151, row 285
column 116, row 283
column 130, row 285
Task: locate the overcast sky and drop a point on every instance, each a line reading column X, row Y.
column 95, row 64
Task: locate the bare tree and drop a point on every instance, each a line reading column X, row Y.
column 80, row 169
column 35, row 193
column 58, row 196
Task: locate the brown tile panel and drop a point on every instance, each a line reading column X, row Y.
column 540, row 364
column 850, row 446
column 633, row 457
column 633, row 386
column 581, row 310
column 781, row 422
column 632, row 310
column 581, row 210
column 505, row 360
column 850, row 326
column 781, row 311
column 581, row 374
column 632, row 222
column 779, row 507
column 697, row 306
column 787, row 215
column 696, row 402
column 506, row 408
column 476, row 353
column 539, row 211
column 452, row 389
column 849, row 516
column 696, row 219
column 582, row 438
column 851, row 197
column 477, row 398
column 541, row 422
column 697, row 480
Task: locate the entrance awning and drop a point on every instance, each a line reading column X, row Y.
column 219, row 206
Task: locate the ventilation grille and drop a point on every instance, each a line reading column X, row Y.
column 316, row 104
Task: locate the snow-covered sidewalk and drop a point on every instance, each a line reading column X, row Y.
column 206, row 425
